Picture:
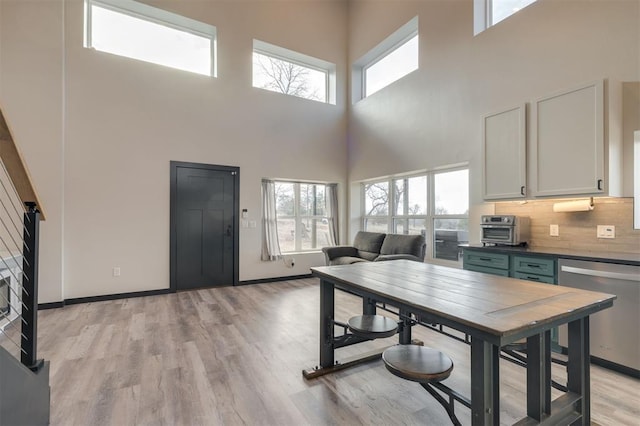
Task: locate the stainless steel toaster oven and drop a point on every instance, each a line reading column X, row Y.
column 509, row 230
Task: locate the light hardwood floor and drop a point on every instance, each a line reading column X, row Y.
column 234, row 356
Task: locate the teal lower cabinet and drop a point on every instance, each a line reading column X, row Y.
column 490, row 263
column 536, row 268
column 534, row 277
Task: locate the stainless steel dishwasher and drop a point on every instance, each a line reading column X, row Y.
column 614, row 332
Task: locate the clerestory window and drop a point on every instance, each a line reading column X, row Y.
column 392, row 59
column 139, row 31
column 489, row 12
column 292, row 73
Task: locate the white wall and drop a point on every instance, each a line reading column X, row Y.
column 125, row 120
column 31, row 87
column 433, row 116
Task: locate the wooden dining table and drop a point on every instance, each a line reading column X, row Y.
column 494, row 311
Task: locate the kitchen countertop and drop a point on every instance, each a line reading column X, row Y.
column 590, row 256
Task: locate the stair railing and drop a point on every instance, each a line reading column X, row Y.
column 20, row 215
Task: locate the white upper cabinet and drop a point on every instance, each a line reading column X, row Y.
column 568, row 146
column 504, row 154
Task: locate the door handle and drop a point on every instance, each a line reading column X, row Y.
column 601, row 274
column 522, row 190
column 229, row 231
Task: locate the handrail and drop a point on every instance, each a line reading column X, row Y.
column 17, row 168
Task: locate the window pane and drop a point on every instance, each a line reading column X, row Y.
column 312, row 200
column 399, row 196
column 417, row 195
column 501, row 9
column 409, row 226
column 376, row 224
column 284, row 199
column 125, row 35
column 285, row 77
column 392, row 67
column 411, row 196
column 314, row 233
column 376, row 199
column 287, row 235
column 417, row 226
column 399, row 225
column 452, row 192
column 448, row 234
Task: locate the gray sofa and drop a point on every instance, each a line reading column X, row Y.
column 374, row 247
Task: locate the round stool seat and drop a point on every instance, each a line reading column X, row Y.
column 417, row 363
column 372, row 326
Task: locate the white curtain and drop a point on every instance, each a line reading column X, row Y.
column 332, row 212
column 270, row 245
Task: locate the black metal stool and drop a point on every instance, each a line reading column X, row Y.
column 372, row 326
column 428, row 367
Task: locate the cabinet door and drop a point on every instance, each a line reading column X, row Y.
column 504, row 154
column 567, row 150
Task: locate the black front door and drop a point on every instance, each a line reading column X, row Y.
column 204, row 207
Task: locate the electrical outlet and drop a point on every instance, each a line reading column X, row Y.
column 116, row 271
column 606, row 231
column 554, row 230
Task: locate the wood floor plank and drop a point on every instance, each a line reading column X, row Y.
column 234, row 356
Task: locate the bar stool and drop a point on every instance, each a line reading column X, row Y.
column 372, row 326
column 428, row 367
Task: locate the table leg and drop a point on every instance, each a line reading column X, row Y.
column 485, row 383
column 578, row 369
column 368, row 306
column 539, row 375
column 404, row 335
column 327, row 307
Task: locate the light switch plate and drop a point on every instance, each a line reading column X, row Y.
column 606, row 231
column 554, row 230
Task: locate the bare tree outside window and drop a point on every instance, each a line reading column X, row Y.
column 377, row 199
column 289, row 78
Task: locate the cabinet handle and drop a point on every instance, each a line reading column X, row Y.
column 599, row 184
column 522, row 190
column 533, row 278
column 486, row 259
column 533, row 265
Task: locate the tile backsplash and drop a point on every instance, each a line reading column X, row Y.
column 578, row 229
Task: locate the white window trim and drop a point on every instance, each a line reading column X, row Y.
column 384, row 48
column 303, row 60
column 155, row 15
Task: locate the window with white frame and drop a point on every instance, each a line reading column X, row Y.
column 139, row 31
column 301, row 210
column 435, row 204
column 291, row 73
column 389, row 61
column 489, row 12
